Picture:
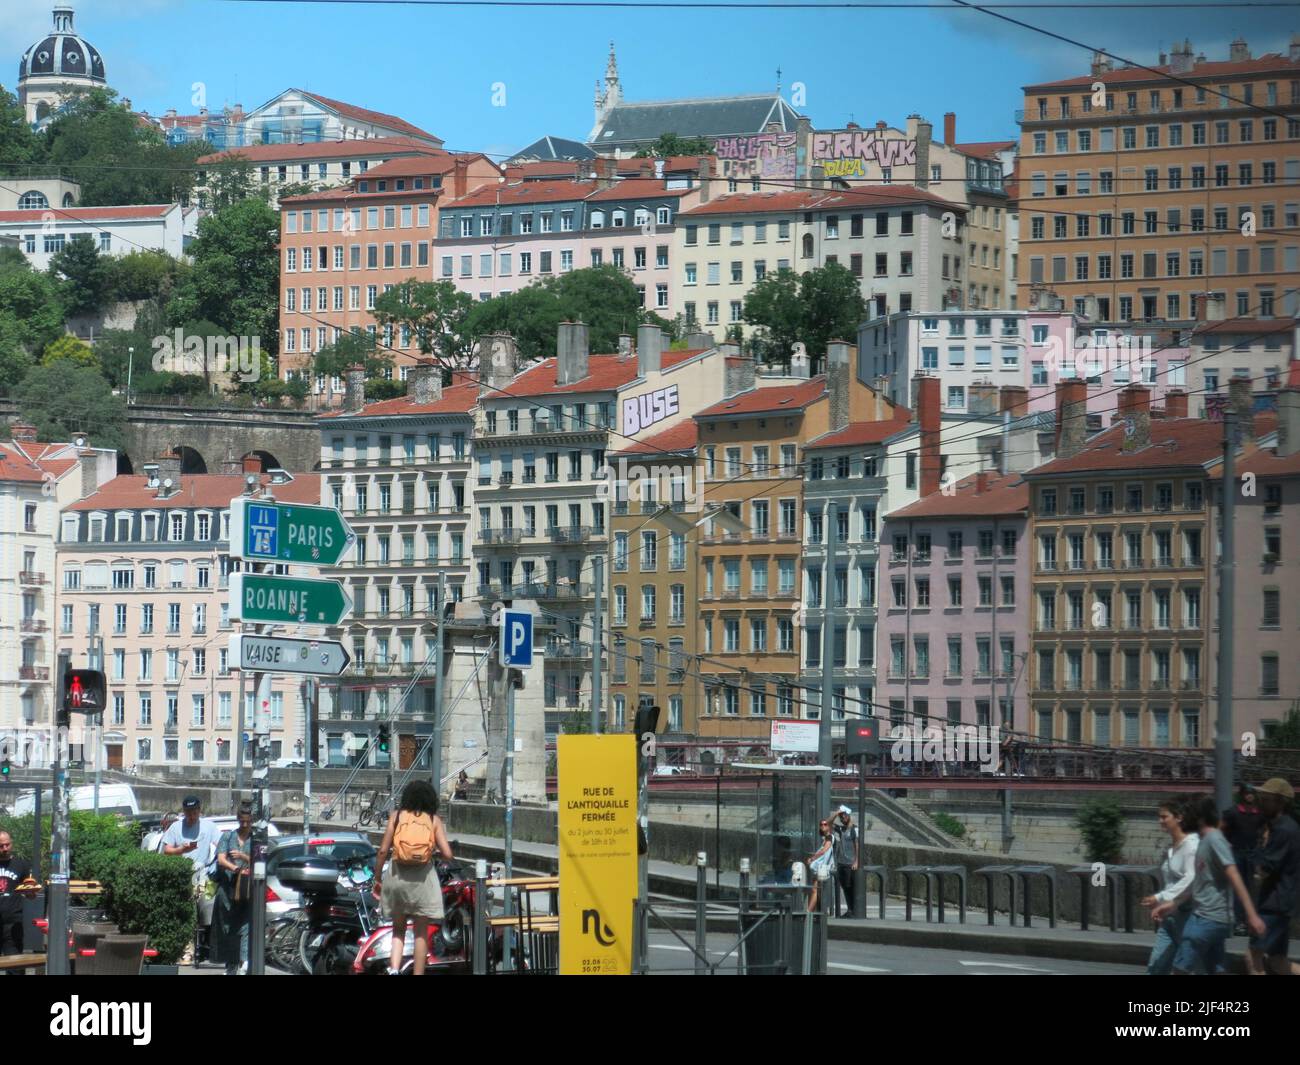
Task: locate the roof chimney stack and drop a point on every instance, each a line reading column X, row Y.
column 1182, row 59
column 1242, row 400
column 424, row 382
column 1239, row 52
column 23, row 432
column 1071, row 416
column 1175, row 403
column 839, row 380
column 799, row 362
column 927, row 415
column 1288, row 421
column 1135, row 409
column 649, row 349
column 950, row 128
column 354, row 388
column 571, row 353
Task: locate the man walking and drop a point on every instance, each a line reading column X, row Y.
column 1240, row 825
column 196, row 838
column 15, row 883
column 1277, row 878
column 845, row 833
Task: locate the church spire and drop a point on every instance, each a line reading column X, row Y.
column 611, row 68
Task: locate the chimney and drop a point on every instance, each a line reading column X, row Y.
column 1295, row 48
column 1239, row 52
column 88, row 461
column 151, row 473
column 739, row 370
column 1164, row 60
column 607, row 173
column 231, row 466
column 578, row 170
column 649, row 349
column 23, row 432
column 252, row 464
column 982, row 482
column 354, row 388
column 1242, row 400
column 700, row 339
column 1014, row 399
column 424, row 382
column 924, row 134
column 984, row 398
column 1100, row 65
column 950, row 128
column 818, row 176
column 498, row 362
column 1181, row 58
column 839, row 380
column 624, row 347
column 659, row 170
column 460, row 177
column 1135, row 406
column 514, row 173
column 169, row 469
column 927, row 415
column 1071, row 416
column 1288, row 421
column 572, row 352
column 799, row 363
column 880, row 386
column 1175, row 403
column 705, row 176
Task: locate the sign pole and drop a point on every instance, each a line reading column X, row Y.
column 438, row 684
column 510, row 810
column 310, row 692
column 239, row 732
column 828, row 665
column 56, row 963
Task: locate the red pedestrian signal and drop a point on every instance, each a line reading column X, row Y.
column 84, row 691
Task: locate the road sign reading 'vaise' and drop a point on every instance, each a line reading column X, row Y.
column 275, row 600
column 283, row 654
column 267, row 531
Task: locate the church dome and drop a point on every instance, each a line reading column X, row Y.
column 62, row 54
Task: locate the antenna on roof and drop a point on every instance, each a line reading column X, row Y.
column 778, row 81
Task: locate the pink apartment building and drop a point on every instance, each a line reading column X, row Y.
column 142, row 568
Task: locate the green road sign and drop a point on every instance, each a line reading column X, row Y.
column 275, row 600
column 266, row 531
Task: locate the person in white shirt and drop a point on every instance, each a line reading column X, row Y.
column 1176, row 875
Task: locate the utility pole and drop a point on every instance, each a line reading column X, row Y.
column 262, row 809
column 57, row 892
column 509, row 679
column 598, row 575
column 1227, row 589
column 828, row 664
column 98, row 729
column 239, row 731
column 438, row 684
column 310, row 689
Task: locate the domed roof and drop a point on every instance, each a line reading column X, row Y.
column 62, row 54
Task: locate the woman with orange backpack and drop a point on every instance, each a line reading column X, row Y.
column 410, row 888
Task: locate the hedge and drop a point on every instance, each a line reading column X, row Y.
column 151, row 894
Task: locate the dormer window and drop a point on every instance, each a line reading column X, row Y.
column 176, row 527
column 364, row 186
column 664, row 216
column 597, row 219
column 620, row 219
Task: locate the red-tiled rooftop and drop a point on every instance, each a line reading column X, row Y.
column 1000, row 494
column 21, row 461
column 787, row 200
column 1175, row 443
column 986, row 149
column 769, row 398
column 861, row 433
column 682, row 437
column 525, row 192
column 456, row 399
column 1273, row 61
column 635, row 188
column 197, row 490
column 604, row 374
column 362, row 114
column 415, row 165
column 370, row 147
column 91, row 214
column 1246, row 325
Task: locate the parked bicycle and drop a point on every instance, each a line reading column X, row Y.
column 375, row 812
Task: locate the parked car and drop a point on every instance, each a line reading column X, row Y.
column 113, row 799
column 293, row 763
column 672, row 771
column 341, row 846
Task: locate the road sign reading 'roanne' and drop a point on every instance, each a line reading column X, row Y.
column 284, row 654
column 275, row 600
column 266, row 531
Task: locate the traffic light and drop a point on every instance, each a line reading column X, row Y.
column 84, row 691
column 383, row 739
column 647, row 720
column 5, row 768
column 862, row 737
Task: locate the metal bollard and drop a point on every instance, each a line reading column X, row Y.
column 824, row 925
column 701, row 917
column 743, row 908
column 480, row 921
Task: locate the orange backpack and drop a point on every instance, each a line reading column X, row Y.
column 413, row 839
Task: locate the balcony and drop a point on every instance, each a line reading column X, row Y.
column 1047, row 566
column 571, row 534
column 1165, row 562
column 501, row 536
column 568, row 649
column 1160, row 684
column 1104, row 564
column 1072, row 684
column 1193, row 561
column 1133, row 563
column 1077, row 565
column 31, row 577
column 1132, row 684
column 33, row 672
column 32, row 625
column 1192, row 685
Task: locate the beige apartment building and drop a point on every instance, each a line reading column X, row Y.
column 143, row 567
column 1181, row 184
column 1120, row 600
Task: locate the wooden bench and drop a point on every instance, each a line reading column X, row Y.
column 23, row 961
column 545, row 923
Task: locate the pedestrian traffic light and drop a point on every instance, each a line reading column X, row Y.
column 383, row 739
column 647, row 720
column 5, row 768
column 84, row 691
column 862, row 737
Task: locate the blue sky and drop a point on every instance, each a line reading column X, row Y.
column 437, row 67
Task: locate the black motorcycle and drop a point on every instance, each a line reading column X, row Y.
column 340, row 911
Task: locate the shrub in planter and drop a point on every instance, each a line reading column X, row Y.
column 151, row 894
column 1101, row 824
column 98, row 843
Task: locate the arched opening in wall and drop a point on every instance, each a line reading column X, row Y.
column 124, row 464
column 191, row 460
column 269, row 461
column 42, row 111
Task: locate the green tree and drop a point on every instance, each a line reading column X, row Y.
column 32, row 299
column 1286, row 735
column 353, row 349
column 435, row 313
column 64, row 399
column 69, row 349
column 18, row 144
column 1101, row 825
column 145, row 275
column 231, row 180
column 84, row 277
column 15, row 359
column 812, row 308
column 234, row 281
column 670, row 144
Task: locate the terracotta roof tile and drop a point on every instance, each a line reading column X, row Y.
column 1246, row 325
column 684, row 436
column 456, row 399
column 786, row 200
column 412, row 165
column 859, row 433
column 1263, row 64
column 986, row 149
column 525, row 192
column 1175, row 443
column 208, row 490
column 381, row 146
column 605, row 374
column 769, row 398
column 635, row 188
column 362, row 114
column 1002, row 494
column 91, row 214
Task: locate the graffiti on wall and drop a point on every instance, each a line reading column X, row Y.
column 768, row 155
column 851, row 153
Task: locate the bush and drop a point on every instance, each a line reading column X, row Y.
column 950, row 825
column 98, row 844
column 151, row 894
column 1101, row 824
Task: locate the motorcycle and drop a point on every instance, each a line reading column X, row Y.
column 340, row 912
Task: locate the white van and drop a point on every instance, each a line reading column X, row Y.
column 113, row 799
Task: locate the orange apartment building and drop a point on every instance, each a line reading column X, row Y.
column 1179, row 185
column 340, row 249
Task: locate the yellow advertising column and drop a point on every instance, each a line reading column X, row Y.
column 598, row 870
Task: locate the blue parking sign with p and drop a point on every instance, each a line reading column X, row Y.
column 263, row 525
column 516, row 639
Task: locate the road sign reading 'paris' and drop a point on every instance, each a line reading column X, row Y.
column 283, row 654
column 275, row 600
column 288, row 532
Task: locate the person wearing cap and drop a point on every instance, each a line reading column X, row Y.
column 1277, row 879
column 846, row 857
column 1240, row 824
column 195, row 837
